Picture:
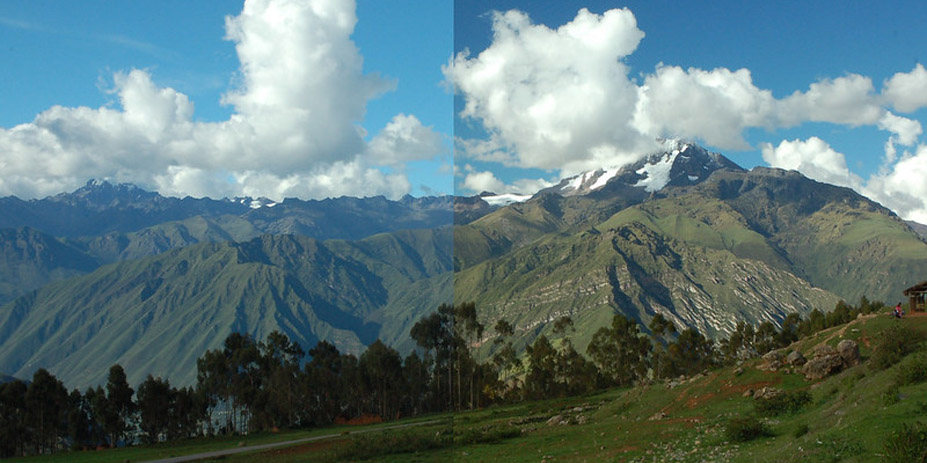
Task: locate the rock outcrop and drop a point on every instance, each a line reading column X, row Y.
column 849, row 351
column 826, row 360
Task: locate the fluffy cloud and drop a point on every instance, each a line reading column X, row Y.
column 480, row 181
column 907, row 92
column 404, row 139
column 484, row 181
column 845, row 100
column 715, row 105
column 902, row 188
column 562, row 99
column 553, row 96
column 814, row 158
column 906, row 130
column 294, row 132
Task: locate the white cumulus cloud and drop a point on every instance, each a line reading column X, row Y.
column 480, row 181
column 902, row 187
column 563, row 99
column 814, row 158
column 715, row 106
column 907, row 91
column 553, row 96
column 299, row 99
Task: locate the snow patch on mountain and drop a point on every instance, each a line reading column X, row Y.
column 657, row 175
column 605, row 177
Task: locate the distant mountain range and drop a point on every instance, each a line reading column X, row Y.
column 112, row 273
column 100, row 223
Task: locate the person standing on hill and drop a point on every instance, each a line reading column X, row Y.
column 898, row 311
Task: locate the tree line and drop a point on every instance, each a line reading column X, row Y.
column 250, row 385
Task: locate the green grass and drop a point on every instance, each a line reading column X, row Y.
column 840, row 419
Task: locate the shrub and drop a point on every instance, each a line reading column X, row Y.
column 367, row 446
column 839, row 447
column 912, row 371
column 787, row 402
column 907, row 445
column 891, row 396
column 894, row 344
column 801, row 430
column 485, row 435
column 744, row 429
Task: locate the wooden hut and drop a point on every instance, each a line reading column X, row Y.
column 917, row 297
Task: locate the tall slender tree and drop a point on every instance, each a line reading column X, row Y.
column 120, row 408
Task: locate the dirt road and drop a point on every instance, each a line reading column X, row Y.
column 233, row 451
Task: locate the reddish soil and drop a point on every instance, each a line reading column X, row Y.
column 698, row 400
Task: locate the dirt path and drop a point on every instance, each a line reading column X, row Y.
column 221, row 453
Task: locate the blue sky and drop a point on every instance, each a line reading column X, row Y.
column 68, row 54
column 166, row 95
column 797, row 85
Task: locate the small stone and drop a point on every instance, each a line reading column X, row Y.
column 767, row 393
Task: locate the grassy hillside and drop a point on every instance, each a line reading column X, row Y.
column 831, row 236
column 856, row 415
column 159, row 314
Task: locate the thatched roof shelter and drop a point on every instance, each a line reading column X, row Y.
column 917, row 296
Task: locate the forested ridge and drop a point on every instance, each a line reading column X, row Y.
column 252, row 385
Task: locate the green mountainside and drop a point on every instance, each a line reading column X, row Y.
column 159, row 314
column 835, row 238
column 154, row 294
column 740, row 246
column 30, row 259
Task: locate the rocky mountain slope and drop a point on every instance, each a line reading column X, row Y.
column 160, row 313
column 731, row 246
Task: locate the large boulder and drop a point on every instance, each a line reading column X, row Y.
column 823, row 350
column 825, row 362
column 849, row 351
column 796, row 359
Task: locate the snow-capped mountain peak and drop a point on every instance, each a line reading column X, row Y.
column 681, row 163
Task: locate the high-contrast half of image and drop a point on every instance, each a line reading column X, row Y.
column 508, row 231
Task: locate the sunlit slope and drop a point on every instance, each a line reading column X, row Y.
column 636, row 270
column 741, row 245
column 831, row 236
